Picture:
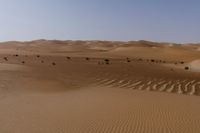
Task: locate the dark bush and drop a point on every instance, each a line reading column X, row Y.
column 128, row 60
column 107, row 61
column 186, row 68
column 68, row 58
column 16, row 55
column 152, row 60
column 5, row 58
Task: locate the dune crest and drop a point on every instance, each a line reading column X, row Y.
column 52, row 86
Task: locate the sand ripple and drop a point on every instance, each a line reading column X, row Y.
column 184, row 86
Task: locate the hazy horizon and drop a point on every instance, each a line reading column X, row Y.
column 173, row 21
column 40, row 39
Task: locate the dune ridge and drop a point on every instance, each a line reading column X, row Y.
column 99, row 87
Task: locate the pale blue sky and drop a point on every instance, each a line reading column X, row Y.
column 155, row 20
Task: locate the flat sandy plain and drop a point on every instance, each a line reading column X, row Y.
column 67, row 87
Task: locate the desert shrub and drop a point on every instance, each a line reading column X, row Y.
column 107, row 61
column 186, row 68
column 87, row 58
column 23, row 62
column 182, row 62
column 68, row 58
column 42, row 61
column 38, row 56
column 16, row 55
column 152, row 60
column 128, row 60
column 53, row 63
column 5, row 58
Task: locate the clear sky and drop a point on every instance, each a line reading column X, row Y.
column 154, row 20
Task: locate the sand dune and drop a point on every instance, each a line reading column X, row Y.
column 99, row 87
column 105, row 49
column 195, row 65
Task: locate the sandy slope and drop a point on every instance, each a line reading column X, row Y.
column 51, row 93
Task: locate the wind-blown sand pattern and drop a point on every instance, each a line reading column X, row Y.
column 67, row 87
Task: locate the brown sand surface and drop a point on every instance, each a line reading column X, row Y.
column 51, row 87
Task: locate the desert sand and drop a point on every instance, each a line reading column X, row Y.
column 99, row 87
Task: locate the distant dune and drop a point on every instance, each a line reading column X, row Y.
column 52, row 86
column 117, row 49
